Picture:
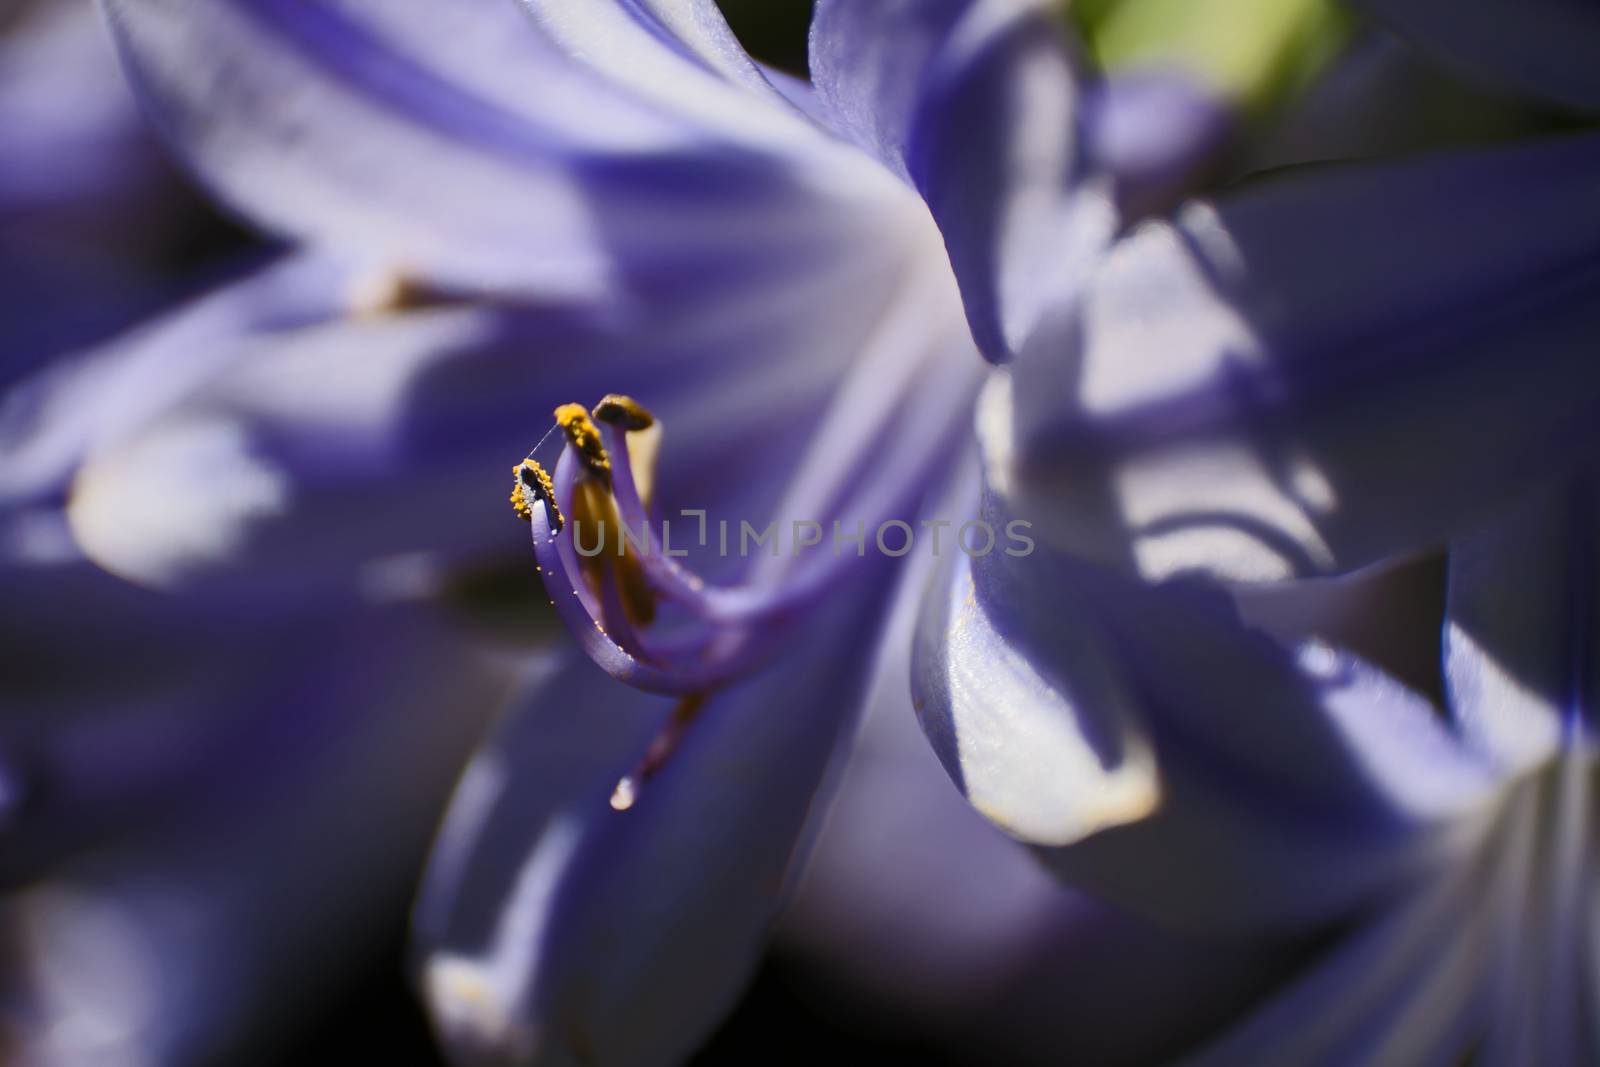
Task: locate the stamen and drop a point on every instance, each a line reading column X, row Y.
column 896, row 425
column 660, row 750
column 605, row 553
column 533, row 487
column 680, row 679
column 624, row 412
column 585, row 439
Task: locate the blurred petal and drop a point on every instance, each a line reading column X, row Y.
column 1320, row 371
column 1521, row 636
column 118, row 717
column 456, row 141
column 1234, row 781
column 977, row 103
column 555, row 928
column 80, row 166
column 1548, row 49
column 206, row 936
column 665, row 49
column 305, row 456
column 56, row 300
column 1489, row 962
column 50, row 421
column 1156, row 132
column 1379, row 97
column 906, row 876
column 1404, row 989
column 917, row 913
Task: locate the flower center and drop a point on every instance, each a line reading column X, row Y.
column 608, row 564
column 618, row 575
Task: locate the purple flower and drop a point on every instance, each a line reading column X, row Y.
column 1483, row 943
column 503, row 210
column 1254, row 410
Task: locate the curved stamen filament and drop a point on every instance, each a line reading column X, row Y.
column 890, row 479
column 735, row 626
column 893, row 422
column 680, row 679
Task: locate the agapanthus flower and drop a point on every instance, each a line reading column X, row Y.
column 1271, row 401
column 510, row 210
column 881, row 390
column 1481, row 948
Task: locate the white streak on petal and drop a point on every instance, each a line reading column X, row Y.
column 1042, row 757
column 480, row 1000
column 179, row 495
column 1498, row 712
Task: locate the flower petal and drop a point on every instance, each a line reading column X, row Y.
column 1318, row 372
column 456, row 141
column 1485, row 962
column 55, row 301
column 977, row 104
column 1521, row 634
column 305, row 454
column 1161, row 752
column 556, row 928
column 118, row 717
column 1404, row 988
column 664, row 49
column 913, row 906
column 51, row 420
column 82, row 170
column 1548, row 49
column 226, row 921
column 1156, row 132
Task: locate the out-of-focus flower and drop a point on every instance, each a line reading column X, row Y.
column 1486, row 947
column 205, row 803
column 210, row 820
column 1272, row 397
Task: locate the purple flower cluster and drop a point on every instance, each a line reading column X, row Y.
column 1276, row 746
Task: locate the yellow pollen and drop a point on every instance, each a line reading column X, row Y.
column 533, row 486
column 615, row 409
column 582, row 435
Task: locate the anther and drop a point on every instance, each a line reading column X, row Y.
column 623, row 412
column 585, row 440
column 533, row 487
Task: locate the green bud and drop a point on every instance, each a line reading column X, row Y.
column 1255, row 52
